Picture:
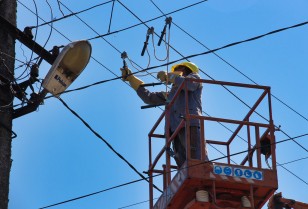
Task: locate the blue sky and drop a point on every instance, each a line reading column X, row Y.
column 56, row 158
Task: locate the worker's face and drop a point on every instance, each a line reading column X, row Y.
column 183, row 69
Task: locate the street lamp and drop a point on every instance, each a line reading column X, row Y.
column 68, row 65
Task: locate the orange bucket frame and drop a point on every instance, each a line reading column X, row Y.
column 198, row 174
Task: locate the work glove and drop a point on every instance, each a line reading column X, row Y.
column 162, row 75
column 125, row 73
column 133, row 80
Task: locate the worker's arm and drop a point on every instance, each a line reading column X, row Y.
column 278, row 202
column 152, row 98
column 133, row 80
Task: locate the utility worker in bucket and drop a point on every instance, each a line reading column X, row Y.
column 177, row 75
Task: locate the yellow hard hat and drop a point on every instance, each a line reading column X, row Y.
column 194, row 68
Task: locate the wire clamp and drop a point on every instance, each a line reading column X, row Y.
column 149, row 32
column 168, row 21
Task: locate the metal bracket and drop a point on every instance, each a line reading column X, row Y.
column 36, row 99
column 26, row 40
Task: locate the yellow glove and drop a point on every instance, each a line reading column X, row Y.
column 162, row 75
column 173, row 75
column 125, row 73
column 133, row 80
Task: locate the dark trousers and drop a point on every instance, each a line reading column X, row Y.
column 179, row 145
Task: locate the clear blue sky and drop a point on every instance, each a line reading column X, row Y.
column 56, row 158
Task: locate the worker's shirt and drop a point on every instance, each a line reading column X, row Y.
column 177, row 110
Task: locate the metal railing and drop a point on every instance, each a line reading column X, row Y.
column 262, row 131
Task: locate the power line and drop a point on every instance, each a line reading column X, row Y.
column 226, row 46
column 101, row 64
column 210, row 51
column 14, row 135
column 9, row 56
column 70, row 40
column 143, row 22
column 231, row 44
column 67, row 16
column 293, row 161
column 246, row 40
column 154, row 176
column 59, row 6
column 111, row 14
column 201, row 43
column 172, row 62
column 42, row 20
column 108, row 145
column 50, row 32
column 145, row 201
column 91, row 194
column 137, row 203
column 102, row 38
column 67, row 38
column 228, row 63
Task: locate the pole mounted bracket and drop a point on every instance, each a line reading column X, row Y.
column 66, row 66
column 25, row 39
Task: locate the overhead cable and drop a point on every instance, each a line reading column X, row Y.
column 108, row 42
column 293, row 161
column 108, row 145
column 204, row 53
column 70, row 40
column 157, row 175
column 230, row 45
column 228, row 63
column 226, row 46
column 143, row 22
column 11, row 57
column 59, row 6
column 50, row 32
column 211, row 51
column 36, row 31
column 69, row 15
column 145, row 201
column 67, row 39
column 43, row 20
column 111, row 14
column 14, row 135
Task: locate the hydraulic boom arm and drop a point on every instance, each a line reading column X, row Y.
column 278, row 202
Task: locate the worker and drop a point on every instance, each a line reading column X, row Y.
column 177, row 75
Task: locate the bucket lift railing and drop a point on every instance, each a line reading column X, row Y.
column 185, row 122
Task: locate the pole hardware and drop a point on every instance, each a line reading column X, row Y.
column 168, row 22
column 124, row 56
column 149, row 32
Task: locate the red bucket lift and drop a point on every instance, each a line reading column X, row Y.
column 215, row 184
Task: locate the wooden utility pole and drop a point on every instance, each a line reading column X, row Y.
column 7, row 55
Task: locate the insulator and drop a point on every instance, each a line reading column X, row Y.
column 245, row 202
column 202, row 196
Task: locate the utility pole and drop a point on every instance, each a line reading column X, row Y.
column 8, row 10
